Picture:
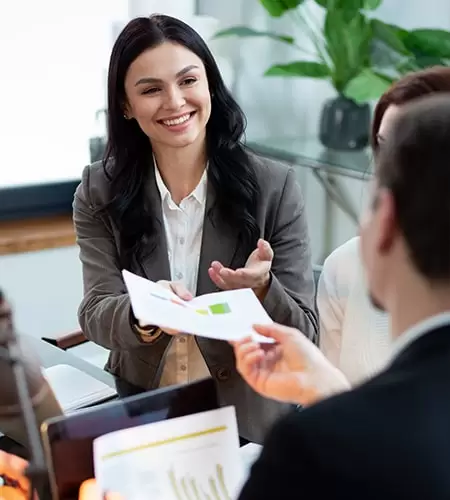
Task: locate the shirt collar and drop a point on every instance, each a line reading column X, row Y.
column 418, row 330
column 199, row 193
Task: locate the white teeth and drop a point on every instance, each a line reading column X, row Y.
column 177, row 121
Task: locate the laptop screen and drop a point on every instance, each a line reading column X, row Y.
column 68, row 440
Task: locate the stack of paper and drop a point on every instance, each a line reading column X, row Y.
column 75, row 389
column 228, row 315
column 192, row 457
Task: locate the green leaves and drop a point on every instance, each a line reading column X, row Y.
column 360, row 56
column 300, row 69
column 392, row 36
column 372, row 4
column 276, row 8
column 348, row 45
column 366, row 86
column 349, row 7
column 428, row 42
column 244, row 31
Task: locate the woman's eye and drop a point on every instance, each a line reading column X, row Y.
column 153, row 90
column 188, row 81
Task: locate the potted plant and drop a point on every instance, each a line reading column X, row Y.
column 359, row 55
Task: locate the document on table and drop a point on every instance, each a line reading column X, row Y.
column 195, row 457
column 228, row 315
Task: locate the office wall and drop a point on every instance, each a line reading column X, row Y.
column 45, row 287
column 276, row 106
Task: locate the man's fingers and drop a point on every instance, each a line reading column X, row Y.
column 89, row 490
column 279, row 333
column 247, row 357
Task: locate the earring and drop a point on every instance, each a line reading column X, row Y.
column 125, row 116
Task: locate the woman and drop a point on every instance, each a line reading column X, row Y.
column 179, row 200
column 353, row 333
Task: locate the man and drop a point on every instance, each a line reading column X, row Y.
column 389, row 438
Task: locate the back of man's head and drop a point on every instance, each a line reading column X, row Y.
column 414, row 165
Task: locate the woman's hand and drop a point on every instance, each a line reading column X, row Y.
column 155, row 331
column 182, row 292
column 15, row 485
column 292, row 370
column 255, row 274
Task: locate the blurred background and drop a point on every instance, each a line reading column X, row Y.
column 307, row 74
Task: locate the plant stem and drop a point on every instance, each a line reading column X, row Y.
column 314, row 37
column 307, row 52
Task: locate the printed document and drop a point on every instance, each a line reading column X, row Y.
column 228, row 315
column 195, row 457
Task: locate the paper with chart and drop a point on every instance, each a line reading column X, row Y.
column 228, row 315
column 195, row 457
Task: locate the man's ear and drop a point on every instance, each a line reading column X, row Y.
column 386, row 220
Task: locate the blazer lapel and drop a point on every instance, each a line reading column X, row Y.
column 154, row 258
column 219, row 242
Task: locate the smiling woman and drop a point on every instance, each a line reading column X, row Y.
column 178, row 199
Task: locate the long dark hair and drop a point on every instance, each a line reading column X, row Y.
column 128, row 152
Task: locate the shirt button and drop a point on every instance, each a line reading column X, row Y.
column 183, row 368
column 179, row 276
column 181, row 241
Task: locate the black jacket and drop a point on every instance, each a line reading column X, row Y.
column 387, row 439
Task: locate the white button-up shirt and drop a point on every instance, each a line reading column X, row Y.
column 183, row 225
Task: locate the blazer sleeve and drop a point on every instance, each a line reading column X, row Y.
column 285, row 469
column 105, row 312
column 290, row 297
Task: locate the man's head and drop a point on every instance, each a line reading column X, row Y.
column 405, row 236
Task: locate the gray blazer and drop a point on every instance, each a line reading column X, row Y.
column 105, row 314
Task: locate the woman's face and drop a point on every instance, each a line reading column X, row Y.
column 386, row 123
column 168, row 95
column 375, row 226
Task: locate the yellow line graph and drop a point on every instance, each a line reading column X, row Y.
column 162, row 442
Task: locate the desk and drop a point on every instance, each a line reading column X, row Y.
column 49, row 356
column 327, row 166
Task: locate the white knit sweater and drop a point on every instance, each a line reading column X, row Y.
column 354, row 336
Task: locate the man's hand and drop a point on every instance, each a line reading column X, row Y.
column 255, row 274
column 292, row 370
column 89, row 490
column 16, row 485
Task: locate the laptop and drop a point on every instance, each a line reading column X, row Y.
column 68, row 440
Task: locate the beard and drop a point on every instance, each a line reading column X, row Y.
column 375, row 303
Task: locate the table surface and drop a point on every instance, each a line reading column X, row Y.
column 51, row 355
column 311, row 152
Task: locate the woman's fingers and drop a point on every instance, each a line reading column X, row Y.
column 216, row 279
column 180, row 290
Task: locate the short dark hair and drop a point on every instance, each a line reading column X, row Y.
column 414, row 164
column 412, row 86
